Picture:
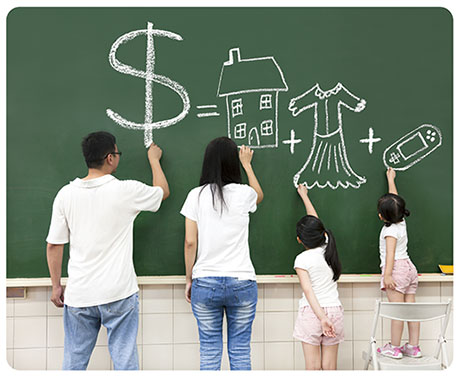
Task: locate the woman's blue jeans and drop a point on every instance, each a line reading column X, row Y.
column 210, row 297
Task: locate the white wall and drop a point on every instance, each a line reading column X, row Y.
column 168, row 336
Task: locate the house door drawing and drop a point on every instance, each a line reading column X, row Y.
column 254, row 138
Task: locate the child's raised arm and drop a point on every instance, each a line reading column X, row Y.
column 303, row 192
column 390, row 174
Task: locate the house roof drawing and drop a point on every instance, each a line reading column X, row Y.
column 250, row 75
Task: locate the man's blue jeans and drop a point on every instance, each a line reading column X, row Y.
column 210, row 297
column 82, row 325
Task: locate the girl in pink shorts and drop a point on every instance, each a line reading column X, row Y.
column 399, row 277
column 319, row 325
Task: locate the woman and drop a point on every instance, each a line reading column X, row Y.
column 220, row 277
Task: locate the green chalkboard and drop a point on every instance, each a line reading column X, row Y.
column 237, row 66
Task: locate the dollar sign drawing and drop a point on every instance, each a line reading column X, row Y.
column 149, row 76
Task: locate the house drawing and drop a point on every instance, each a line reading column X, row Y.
column 251, row 88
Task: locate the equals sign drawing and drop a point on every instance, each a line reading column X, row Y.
column 207, row 107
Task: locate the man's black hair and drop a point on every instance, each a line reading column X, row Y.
column 96, row 146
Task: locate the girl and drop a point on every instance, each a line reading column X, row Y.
column 399, row 277
column 221, row 277
column 320, row 317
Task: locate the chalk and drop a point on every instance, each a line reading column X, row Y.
column 365, row 275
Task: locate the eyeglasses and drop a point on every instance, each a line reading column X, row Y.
column 115, row 152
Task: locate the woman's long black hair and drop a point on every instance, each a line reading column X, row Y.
column 220, row 167
column 311, row 232
column 392, row 208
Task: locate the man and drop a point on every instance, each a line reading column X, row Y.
column 96, row 215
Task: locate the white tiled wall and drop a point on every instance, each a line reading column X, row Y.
column 168, row 335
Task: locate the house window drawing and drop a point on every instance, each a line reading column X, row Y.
column 254, row 84
column 266, row 128
column 240, row 130
column 236, row 107
column 266, row 102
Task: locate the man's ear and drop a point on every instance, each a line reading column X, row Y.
column 109, row 159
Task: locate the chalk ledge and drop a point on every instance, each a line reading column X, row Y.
column 180, row 279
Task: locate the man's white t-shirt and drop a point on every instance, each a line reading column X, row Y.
column 397, row 231
column 321, row 276
column 223, row 236
column 97, row 218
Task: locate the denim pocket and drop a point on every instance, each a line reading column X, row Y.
column 78, row 311
column 124, row 305
column 202, row 291
column 246, row 291
column 205, row 283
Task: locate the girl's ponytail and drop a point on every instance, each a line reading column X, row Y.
column 331, row 256
column 392, row 208
column 312, row 233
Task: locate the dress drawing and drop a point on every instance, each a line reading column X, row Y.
column 327, row 163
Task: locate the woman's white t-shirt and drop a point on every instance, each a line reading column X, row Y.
column 397, row 231
column 223, row 235
column 321, row 276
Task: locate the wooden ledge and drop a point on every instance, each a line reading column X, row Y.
column 284, row 278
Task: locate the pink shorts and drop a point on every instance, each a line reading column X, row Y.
column 405, row 276
column 308, row 328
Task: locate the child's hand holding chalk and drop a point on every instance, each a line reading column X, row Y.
column 390, row 173
column 302, row 190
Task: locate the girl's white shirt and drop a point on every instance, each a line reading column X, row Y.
column 321, row 276
column 223, row 235
column 397, row 231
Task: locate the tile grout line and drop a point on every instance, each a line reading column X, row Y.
column 173, row 319
column 14, row 330
column 47, row 328
column 352, row 322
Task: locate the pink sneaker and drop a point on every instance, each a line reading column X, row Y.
column 412, row 351
column 391, row 351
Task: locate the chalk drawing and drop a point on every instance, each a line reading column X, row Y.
column 327, row 164
column 208, row 114
column 370, row 140
column 413, row 147
column 149, row 76
column 247, row 101
column 200, row 107
column 207, row 107
column 292, row 141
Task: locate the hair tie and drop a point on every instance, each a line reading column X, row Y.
column 326, row 236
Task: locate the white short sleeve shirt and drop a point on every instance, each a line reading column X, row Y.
column 321, row 276
column 97, row 217
column 397, row 231
column 223, row 235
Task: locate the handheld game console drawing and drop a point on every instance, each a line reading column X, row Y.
column 412, row 147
